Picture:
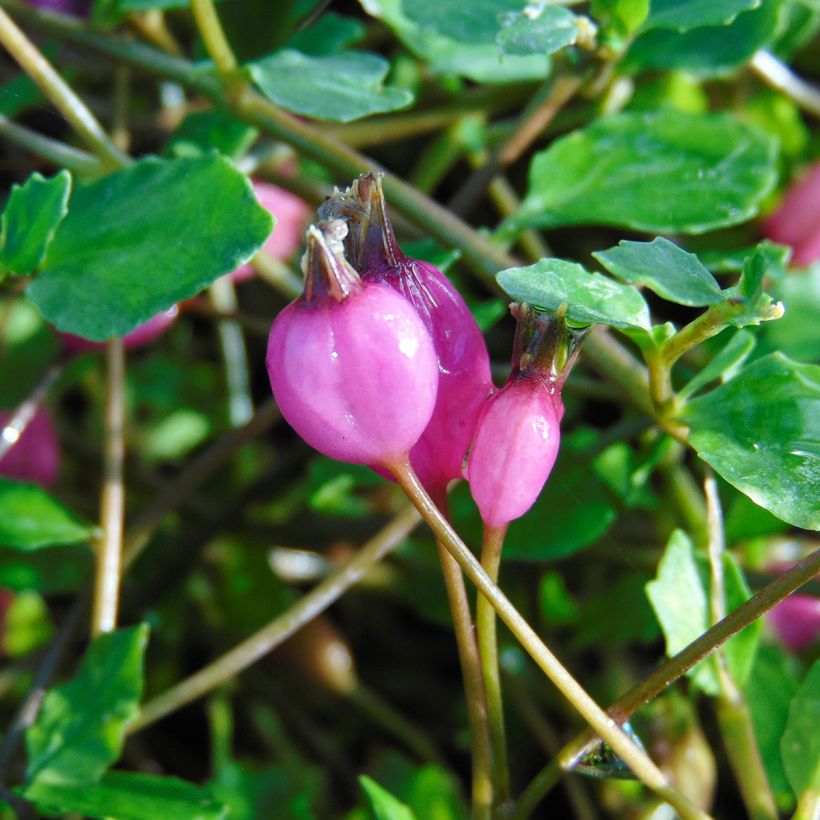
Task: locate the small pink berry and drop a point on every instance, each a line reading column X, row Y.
column 796, row 620
column 142, row 335
column 463, row 361
column 35, row 456
column 292, row 215
column 518, row 432
column 796, row 221
column 351, row 365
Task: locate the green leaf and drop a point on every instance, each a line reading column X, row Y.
column 80, row 729
column 330, row 34
column 619, row 18
column 537, row 29
column 31, row 519
column 761, row 432
column 769, row 691
column 707, row 51
column 31, row 216
column 383, row 804
column 683, row 15
column 127, row 796
column 740, row 650
column 204, row 131
column 458, row 38
column 590, row 297
column 681, row 605
column 801, row 740
column 665, row 269
column 724, row 365
column 337, row 87
column 664, row 172
column 144, row 238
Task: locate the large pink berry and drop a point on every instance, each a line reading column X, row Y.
column 464, row 364
column 35, row 456
column 796, row 221
column 518, row 432
column 291, row 215
column 140, row 336
column 351, row 365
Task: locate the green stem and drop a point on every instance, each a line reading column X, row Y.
column 491, row 547
column 645, row 770
column 391, row 720
column 477, row 712
column 734, row 718
column 112, row 507
column 59, row 92
column 269, row 637
column 670, row 671
column 808, row 805
column 56, row 152
column 216, row 43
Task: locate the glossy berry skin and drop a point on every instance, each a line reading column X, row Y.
column 463, row 361
column 355, row 374
column 514, row 449
column 291, row 215
column 463, row 364
column 796, row 221
column 35, row 456
column 140, row 336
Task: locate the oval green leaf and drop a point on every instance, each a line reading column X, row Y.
column 336, row 87
column 144, row 238
column 663, row 172
column 80, row 728
column 128, row 796
column 32, row 214
column 537, row 29
column 665, row 269
column 761, row 432
column 709, row 50
column 458, row 38
column 30, row 519
column 591, row 298
column 800, row 745
column 682, row 15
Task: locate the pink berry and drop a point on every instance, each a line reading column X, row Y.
column 291, row 214
column 35, row 456
column 796, row 221
column 351, row 365
column 463, row 361
column 142, row 335
column 796, row 620
column 514, row 448
column 518, row 432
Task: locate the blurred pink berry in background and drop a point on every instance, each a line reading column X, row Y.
column 139, row 337
column 796, row 620
column 78, row 7
column 796, row 221
column 292, row 216
column 35, row 457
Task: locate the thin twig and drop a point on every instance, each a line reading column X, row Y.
column 635, row 757
column 22, row 415
column 670, row 671
column 54, row 151
column 778, row 75
column 59, row 92
column 269, row 637
column 112, row 506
